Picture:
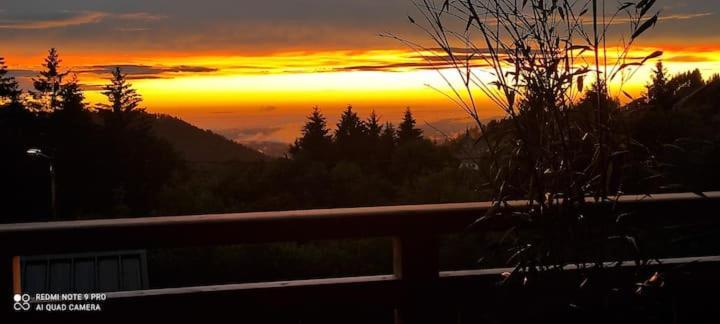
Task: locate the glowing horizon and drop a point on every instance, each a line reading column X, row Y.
column 265, row 67
column 281, row 85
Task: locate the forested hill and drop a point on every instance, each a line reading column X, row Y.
column 199, row 145
column 704, row 100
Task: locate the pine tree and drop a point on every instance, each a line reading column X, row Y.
column 658, row 93
column 316, row 142
column 71, row 97
column 48, row 83
column 123, row 98
column 389, row 135
column 350, row 136
column 714, row 78
column 374, row 128
column 72, row 135
column 387, row 143
column 349, row 126
column 9, row 90
column 408, row 132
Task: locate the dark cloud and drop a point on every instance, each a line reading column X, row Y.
column 392, row 67
column 462, row 50
column 24, row 77
column 186, row 25
column 259, row 26
column 145, row 70
column 134, row 72
column 67, row 18
column 459, row 56
column 22, row 73
column 92, row 87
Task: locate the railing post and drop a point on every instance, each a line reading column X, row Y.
column 416, row 265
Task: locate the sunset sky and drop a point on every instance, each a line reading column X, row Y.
column 259, row 66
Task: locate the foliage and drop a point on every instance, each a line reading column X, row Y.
column 351, row 136
column 316, row 140
column 119, row 161
column 122, row 97
column 107, row 169
column 155, row 165
column 49, row 83
column 407, row 132
column 9, row 90
column 565, row 144
column 200, row 146
column 657, row 91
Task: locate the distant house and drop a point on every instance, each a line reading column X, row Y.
column 468, row 152
column 87, row 272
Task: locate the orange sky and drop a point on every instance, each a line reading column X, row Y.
column 278, row 90
column 263, row 73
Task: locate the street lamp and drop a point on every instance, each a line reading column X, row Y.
column 35, row 152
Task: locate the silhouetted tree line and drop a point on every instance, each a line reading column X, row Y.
column 669, row 135
column 361, row 162
column 395, row 153
column 107, row 162
column 679, row 121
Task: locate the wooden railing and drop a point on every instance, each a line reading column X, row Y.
column 412, row 290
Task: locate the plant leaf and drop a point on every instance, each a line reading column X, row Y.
column 646, row 7
column 625, row 6
column 647, row 24
column 652, row 56
column 623, row 67
column 580, row 83
column 628, row 95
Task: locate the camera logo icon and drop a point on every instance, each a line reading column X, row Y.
column 22, row 302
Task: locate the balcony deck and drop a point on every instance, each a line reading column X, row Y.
column 412, row 290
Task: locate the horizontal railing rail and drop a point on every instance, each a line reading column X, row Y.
column 296, row 225
column 415, row 230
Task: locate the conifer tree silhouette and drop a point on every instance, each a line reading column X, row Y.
column 71, row 96
column 316, row 141
column 407, row 131
column 374, row 127
column 123, row 98
column 9, row 90
column 124, row 108
column 658, row 93
column 386, row 146
column 48, row 83
column 389, row 135
column 350, row 136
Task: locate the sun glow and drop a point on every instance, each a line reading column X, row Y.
column 221, row 91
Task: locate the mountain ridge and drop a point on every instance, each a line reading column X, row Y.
column 201, row 145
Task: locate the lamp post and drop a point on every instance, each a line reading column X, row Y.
column 53, row 201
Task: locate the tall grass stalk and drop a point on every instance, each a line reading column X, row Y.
column 535, row 60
